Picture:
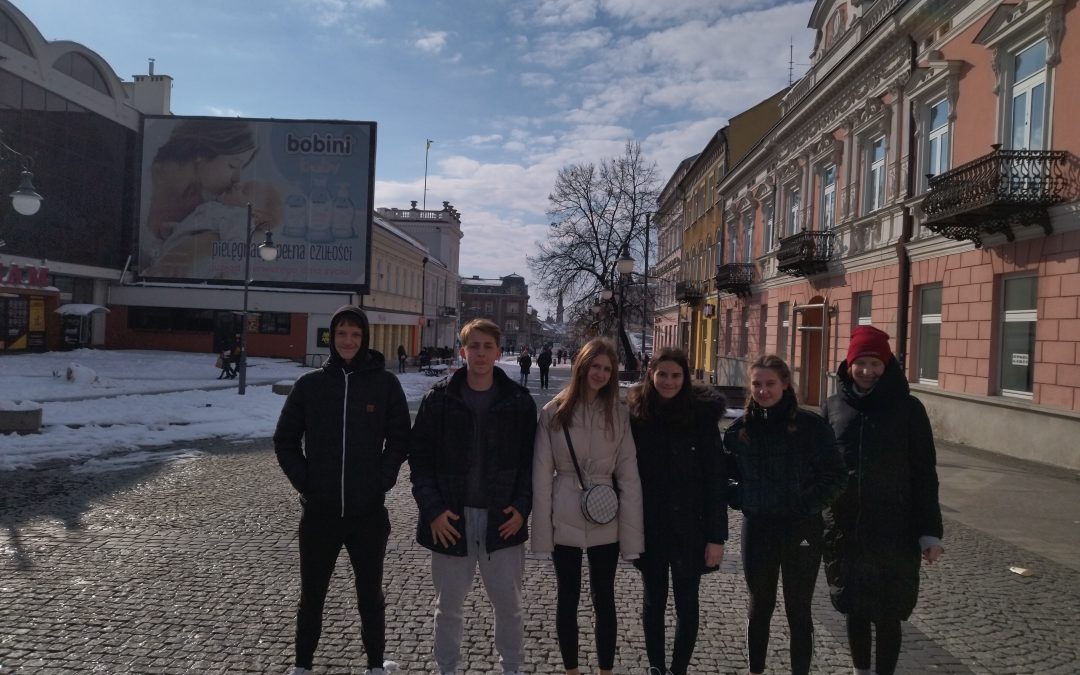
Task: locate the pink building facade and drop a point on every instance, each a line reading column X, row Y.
column 924, row 179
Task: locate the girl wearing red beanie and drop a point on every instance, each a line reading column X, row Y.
column 889, row 513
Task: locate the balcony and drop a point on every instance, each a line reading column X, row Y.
column 689, row 292
column 805, row 253
column 1000, row 191
column 735, row 278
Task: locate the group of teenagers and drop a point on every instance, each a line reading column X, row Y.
column 855, row 486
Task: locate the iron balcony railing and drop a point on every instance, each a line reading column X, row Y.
column 689, row 292
column 1000, row 191
column 735, row 278
column 805, row 253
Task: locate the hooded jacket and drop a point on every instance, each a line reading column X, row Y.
column 783, row 472
column 343, row 431
column 872, row 531
column 439, row 459
column 680, row 459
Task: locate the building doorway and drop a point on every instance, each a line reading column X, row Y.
column 813, row 327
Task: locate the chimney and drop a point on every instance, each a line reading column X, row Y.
column 151, row 67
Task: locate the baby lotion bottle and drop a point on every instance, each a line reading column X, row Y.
column 296, row 216
column 344, row 212
column 319, row 223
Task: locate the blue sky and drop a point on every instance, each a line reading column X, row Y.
column 510, row 91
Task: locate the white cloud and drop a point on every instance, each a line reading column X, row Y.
column 537, row 80
column 214, row 111
column 431, row 42
column 482, row 140
column 559, row 49
column 564, row 12
column 332, row 12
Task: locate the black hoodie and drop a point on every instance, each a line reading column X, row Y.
column 353, row 421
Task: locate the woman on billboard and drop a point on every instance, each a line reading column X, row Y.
column 197, row 197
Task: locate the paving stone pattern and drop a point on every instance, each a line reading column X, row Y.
column 192, row 567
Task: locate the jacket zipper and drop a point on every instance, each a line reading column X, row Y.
column 858, row 501
column 344, row 421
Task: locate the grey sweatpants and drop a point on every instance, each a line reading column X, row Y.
column 501, row 573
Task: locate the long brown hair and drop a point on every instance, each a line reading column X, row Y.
column 574, row 392
column 643, row 398
column 783, row 371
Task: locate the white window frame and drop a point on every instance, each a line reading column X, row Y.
column 875, row 174
column 744, row 332
column 828, row 198
column 1016, row 316
column 857, row 318
column 940, row 161
column 792, row 204
column 733, row 242
column 748, row 235
column 764, row 321
column 768, row 241
column 927, row 320
column 783, row 323
column 1025, row 87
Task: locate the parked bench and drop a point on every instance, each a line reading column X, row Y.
column 435, row 369
column 21, row 421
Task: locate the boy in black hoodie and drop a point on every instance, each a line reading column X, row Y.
column 354, row 423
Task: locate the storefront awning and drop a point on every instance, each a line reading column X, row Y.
column 80, row 309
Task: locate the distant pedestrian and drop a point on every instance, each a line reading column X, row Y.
column 789, row 469
column 224, row 361
column 341, row 439
column 588, row 413
column 684, row 489
column 471, row 464
column 525, row 364
column 543, row 362
column 876, row 530
column 402, row 357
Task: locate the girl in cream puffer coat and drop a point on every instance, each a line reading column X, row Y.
column 600, row 430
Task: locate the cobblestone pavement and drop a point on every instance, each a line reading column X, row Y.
column 191, row 567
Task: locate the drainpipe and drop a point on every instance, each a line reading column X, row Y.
column 903, row 289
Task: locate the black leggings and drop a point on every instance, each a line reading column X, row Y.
column 654, row 577
column 888, row 643
column 321, row 539
column 603, row 561
column 769, row 547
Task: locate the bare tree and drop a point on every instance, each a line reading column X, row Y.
column 595, row 212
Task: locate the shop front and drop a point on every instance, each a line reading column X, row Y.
column 26, row 304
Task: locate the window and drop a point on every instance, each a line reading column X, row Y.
column 861, row 302
column 793, row 205
column 275, row 323
column 727, row 332
column 171, row 319
column 783, row 327
column 512, row 308
column 929, row 333
column 828, row 197
column 511, row 326
column 937, row 143
column 1020, row 295
column 489, row 307
column 12, row 36
column 763, row 322
column 748, row 236
column 79, row 67
column 744, row 332
column 768, row 240
column 1028, row 109
column 733, row 242
column 875, row 175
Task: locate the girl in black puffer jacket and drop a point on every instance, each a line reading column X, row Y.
column 889, row 514
column 683, row 484
column 788, row 469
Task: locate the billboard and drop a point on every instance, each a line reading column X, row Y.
column 309, row 182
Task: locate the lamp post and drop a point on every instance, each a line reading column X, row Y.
column 625, row 268
column 269, row 253
column 24, row 199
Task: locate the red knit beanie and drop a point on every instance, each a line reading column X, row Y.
column 869, row 341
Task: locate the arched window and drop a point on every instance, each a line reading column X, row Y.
column 77, row 66
column 12, row 36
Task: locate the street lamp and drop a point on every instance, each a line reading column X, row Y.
column 25, row 199
column 269, row 253
column 625, row 267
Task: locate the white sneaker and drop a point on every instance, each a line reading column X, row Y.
column 387, row 667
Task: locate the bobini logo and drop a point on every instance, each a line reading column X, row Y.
column 318, row 144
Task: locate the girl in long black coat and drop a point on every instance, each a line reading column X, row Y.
column 889, row 513
column 680, row 461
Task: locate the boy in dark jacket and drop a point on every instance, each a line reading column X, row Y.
column 353, row 421
column 470, row 458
